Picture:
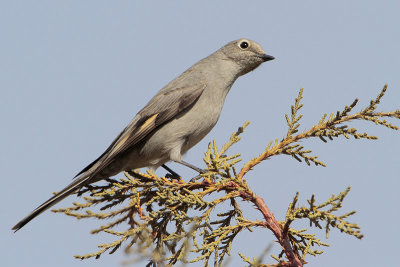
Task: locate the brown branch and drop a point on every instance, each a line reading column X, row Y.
column 275, row 150
column 270, row 221
column 275, row 227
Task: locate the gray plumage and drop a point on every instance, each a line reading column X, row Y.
column 175, row 119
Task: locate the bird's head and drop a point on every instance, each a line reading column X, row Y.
column 246, row 53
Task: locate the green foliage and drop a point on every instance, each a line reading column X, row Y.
column 317, row 214
column 170, row 221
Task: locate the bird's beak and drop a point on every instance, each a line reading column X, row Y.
column 266, row 57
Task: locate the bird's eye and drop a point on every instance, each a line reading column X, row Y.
column 244, row 45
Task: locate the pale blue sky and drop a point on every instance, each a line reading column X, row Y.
column 73, row 74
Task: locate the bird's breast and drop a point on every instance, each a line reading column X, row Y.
column 177, row 136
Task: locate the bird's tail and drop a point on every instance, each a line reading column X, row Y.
column 70, row 189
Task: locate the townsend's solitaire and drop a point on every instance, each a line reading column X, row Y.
column 174, row 120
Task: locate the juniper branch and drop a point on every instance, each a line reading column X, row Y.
column 165, row 216
column 330, row 128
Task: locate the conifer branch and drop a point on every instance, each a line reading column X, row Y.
column 329, row 128
column 170, row 221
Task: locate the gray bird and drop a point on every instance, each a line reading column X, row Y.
column 176, row 118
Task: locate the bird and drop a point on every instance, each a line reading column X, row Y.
column 180, row 115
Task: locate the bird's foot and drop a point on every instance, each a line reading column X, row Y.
column 171, row 174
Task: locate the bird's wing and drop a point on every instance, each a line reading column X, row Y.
column 164, row 106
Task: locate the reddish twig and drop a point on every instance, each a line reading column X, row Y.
column 270, row 221
column 275, row 227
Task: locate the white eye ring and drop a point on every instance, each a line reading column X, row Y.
column 244, row 44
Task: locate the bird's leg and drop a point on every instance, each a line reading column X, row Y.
column 200, row 171
column 171, row 173
column 175, row 175
column 197, row 169
column 194, row 179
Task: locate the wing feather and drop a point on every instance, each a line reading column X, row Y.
column 166, row 105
